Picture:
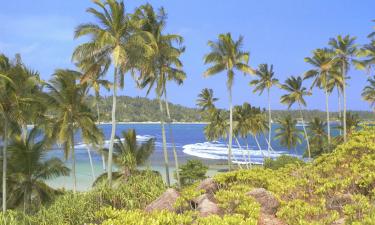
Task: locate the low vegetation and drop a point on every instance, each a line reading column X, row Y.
column 337, row 185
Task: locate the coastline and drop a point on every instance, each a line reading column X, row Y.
column 149, row 122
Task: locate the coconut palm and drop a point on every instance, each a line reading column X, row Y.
column 30, row 169
column 265, row 80
column 345, row 50
column 72, row 113
column 296, row 94
column 227, row 55
column 318, row 136
column 288, row 134
column 128, row 154
column 163, row 65
column 368, row 93
column 112, row 38
column 206, row 101
column 10, row 114
column 93, row 71
column 218, row 126
column 322, row 61
column 352, row 121
column 367, row 51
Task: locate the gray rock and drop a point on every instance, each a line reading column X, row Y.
column 208, row 185
column 266, row 199
column 207, row 207
column 165, row 202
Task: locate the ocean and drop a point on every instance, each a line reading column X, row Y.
column 190, row 143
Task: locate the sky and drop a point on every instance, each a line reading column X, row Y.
column 276, row 32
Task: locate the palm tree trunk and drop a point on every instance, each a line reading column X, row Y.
column 339, row 111
column 248, row 152
column 269, row 122
column 113, row 131
column 172, row 140
column 256, row 140
column 5, row 166
column 98, row 115
column 73, row 164
column 344, row 96
column 24, row 132
column 91, row 164
column 230, row 131
column 304, row 130
column 328, row 124
column 240, row 148
column 164, row 143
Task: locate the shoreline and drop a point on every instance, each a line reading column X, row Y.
column 150, row 122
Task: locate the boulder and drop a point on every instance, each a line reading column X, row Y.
column 207, row 207
column 165, row 202
column 198, row 200
column 266, row 199
column 208, row 185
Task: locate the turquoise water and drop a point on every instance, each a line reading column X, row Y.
column 190, row 144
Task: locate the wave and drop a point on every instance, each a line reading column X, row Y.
column 217, row 150
column 140, row 138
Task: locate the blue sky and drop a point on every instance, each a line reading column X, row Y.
column 276, row 32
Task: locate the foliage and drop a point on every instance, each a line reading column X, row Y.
column 136, row 193
column 192, row 171
column 281, row 161
column 235, row 202
column 305, row 190
column 29, row 170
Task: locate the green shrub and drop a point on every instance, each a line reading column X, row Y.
column 234, row 202
column 235, row 219
column 110, row 216
column 80, row 208
column 298, row 212
column 281, row 161
column 192, row 171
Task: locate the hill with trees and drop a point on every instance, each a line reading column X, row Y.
column 141, row 109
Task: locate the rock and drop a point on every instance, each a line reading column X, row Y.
column 207, row 207
column 266, row 199
column 266, row 219
column 337, row 202
column 200, row 198
column 340, row 221
column 208, row 185
column 165, row 202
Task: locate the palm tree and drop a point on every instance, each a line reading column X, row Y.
column 318, row 136
column 206, row 101
column 93, row 72
column 288, row 133
column 227, row 55
column 345, row 51
column 71, row 111
column 265, row 80
column 112, row 38
column 30, row 169
column 218, row 126
column 368, row 93
column 163, row 65
column 296, row 93
column 352, row 121
column 322, row 61
column 129, row 154
column 367, row 51
column 10, row 113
